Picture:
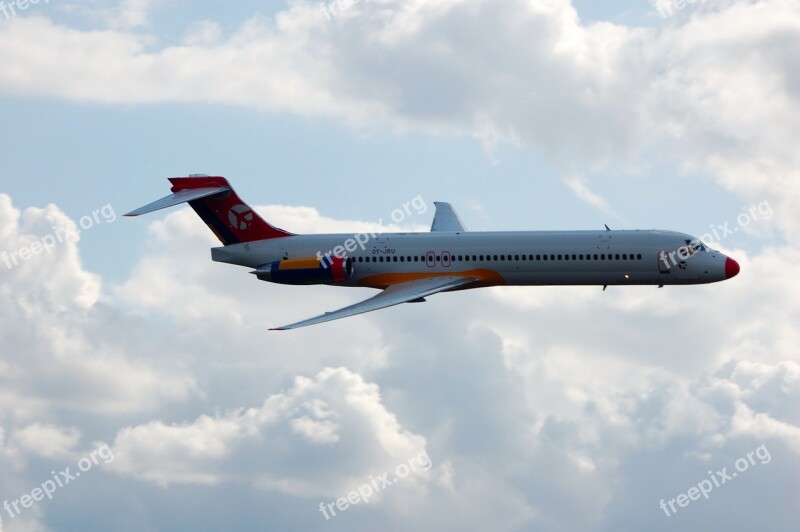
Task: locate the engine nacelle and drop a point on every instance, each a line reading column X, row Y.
column 307, row 271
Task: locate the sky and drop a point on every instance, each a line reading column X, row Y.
column 141, row 390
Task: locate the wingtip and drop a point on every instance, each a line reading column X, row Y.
column 279, row 329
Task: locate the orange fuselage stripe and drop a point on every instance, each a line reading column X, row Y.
column 299, row 264
column 383, row 280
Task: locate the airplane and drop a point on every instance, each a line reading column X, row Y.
column 408, row 267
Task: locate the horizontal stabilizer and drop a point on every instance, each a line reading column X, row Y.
column 213, row 199
column 182, row 196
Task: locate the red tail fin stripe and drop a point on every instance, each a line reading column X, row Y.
column 230, row 218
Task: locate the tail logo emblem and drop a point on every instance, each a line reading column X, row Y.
column 240, row 217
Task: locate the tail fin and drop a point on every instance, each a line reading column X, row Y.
column 215, row 201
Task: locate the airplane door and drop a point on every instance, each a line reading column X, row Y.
column 430, row 259
column 446, row 259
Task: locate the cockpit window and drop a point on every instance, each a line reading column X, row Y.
column 695, row 246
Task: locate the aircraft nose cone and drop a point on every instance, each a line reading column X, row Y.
column 731, row 268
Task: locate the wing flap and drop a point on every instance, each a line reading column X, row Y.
column 394, row 295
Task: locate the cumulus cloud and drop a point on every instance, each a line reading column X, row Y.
column 51, row 314
column 336, row 417
column 530, row 402
column 131, row 14
column 47, row 441
column 699, row 375
column 719, row 104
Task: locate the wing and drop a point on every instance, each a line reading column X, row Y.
column 394, row 295
column 446, row 218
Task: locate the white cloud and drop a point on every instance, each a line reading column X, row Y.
column 509, row 391
column 51, row 315
column 131, row 14
column 585, row 95
column 270, row 445
column 548, row 408
column 203, row 33
column 47, row 441
column 595, row 200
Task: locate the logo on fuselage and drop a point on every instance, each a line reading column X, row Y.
column 240, row 217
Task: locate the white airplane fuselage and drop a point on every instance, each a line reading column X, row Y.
column 640, row 257
column 408, row 267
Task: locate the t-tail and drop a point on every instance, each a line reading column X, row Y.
column 215, row 201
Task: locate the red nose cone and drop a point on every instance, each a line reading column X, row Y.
column 731, row 268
